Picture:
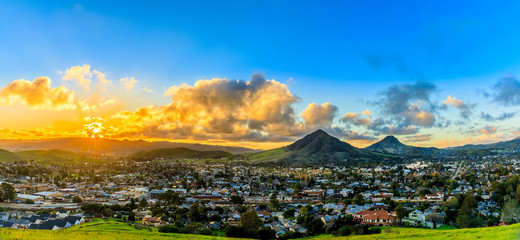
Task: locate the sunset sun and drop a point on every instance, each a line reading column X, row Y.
column 94, row 128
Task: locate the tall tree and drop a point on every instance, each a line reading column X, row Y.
column 511, row 212
column 250, row 220
column 7, row 192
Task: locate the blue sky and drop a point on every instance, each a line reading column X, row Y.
column 343, row 52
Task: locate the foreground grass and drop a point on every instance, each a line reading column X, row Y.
column 495, row 233
column 99, row 229
column 111, row 229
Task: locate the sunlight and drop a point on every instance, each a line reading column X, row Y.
column 94, row 129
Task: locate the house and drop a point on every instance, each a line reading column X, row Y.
column 62, row 213
column 4, row 216
column 25, row 197
column 329, row 220
column 376, row 218
column 214, row 225
column 153, row 221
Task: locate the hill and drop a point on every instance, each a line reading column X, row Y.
column 99, row 229
column 317, row 148
column 108, row 146
column 113, row 229
column 179, row 153
column 392, row 145
column 6, row 156
column 513, row 144
column 54, row 156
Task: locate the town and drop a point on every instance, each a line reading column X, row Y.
column 238, row 199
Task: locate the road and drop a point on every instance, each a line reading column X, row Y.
column 456, row 172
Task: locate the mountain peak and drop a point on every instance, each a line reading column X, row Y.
column 318, row 137
column 390, row 138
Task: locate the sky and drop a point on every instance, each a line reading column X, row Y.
column 261, row 74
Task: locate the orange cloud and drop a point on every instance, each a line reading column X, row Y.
column 319, row 115
column 256, row 110
column 38, row 94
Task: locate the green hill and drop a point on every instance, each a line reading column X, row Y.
column 99, row 229
column 55, row 156
column 6, row 156
column 179, row 153
column 392, row 145
column 112, row 229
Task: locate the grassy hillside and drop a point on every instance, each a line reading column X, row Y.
column 6, row 156
column 111, row 229
column 179, row 153
column 496, row 233
column 56, row 157
column 100, row 229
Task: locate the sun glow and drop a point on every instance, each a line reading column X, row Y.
column 94, row 127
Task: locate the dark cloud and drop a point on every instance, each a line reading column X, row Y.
column 506, row 91
column 503, row 116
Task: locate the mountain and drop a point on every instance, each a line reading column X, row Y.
column 317, row 148
column 179, row 153
column 54, row 156
column 513, row 144
column 6, row 156
column 392, row 145
column 109, row 146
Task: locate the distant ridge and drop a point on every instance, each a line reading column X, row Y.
column 109, row 146
column 179, row 153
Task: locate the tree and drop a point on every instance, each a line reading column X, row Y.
column 401, row 212
column 468, row 205
column 289, row 213
column 304, row 211
column 29, row 201
column 76, row 199
column 7, row 192
column 235, row 199
column 143, row 203
column 170, row 197
column 250, row 220
column 511, row 212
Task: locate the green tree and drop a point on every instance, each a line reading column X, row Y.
column 76, row 199
column 235, row 199
column 250, row 220
column 511, row 212
column 7, row 192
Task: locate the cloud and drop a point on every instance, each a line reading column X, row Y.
column 389, row 130
column 147, row 90
column 506, row 91
column 367, row 112
column 356, row 119
column 407, row 106
column 217, row 109
column 102, row 80
column 502, row 117
column 129, row 82
column 83, row 77
column 488, row 130
column 81, row 74
column 418, row 138
column 38, row 94
column 319, row 115
column 465, row 109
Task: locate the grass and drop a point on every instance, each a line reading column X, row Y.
column 99, row 229
column 113, row 229
column 495, row 233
